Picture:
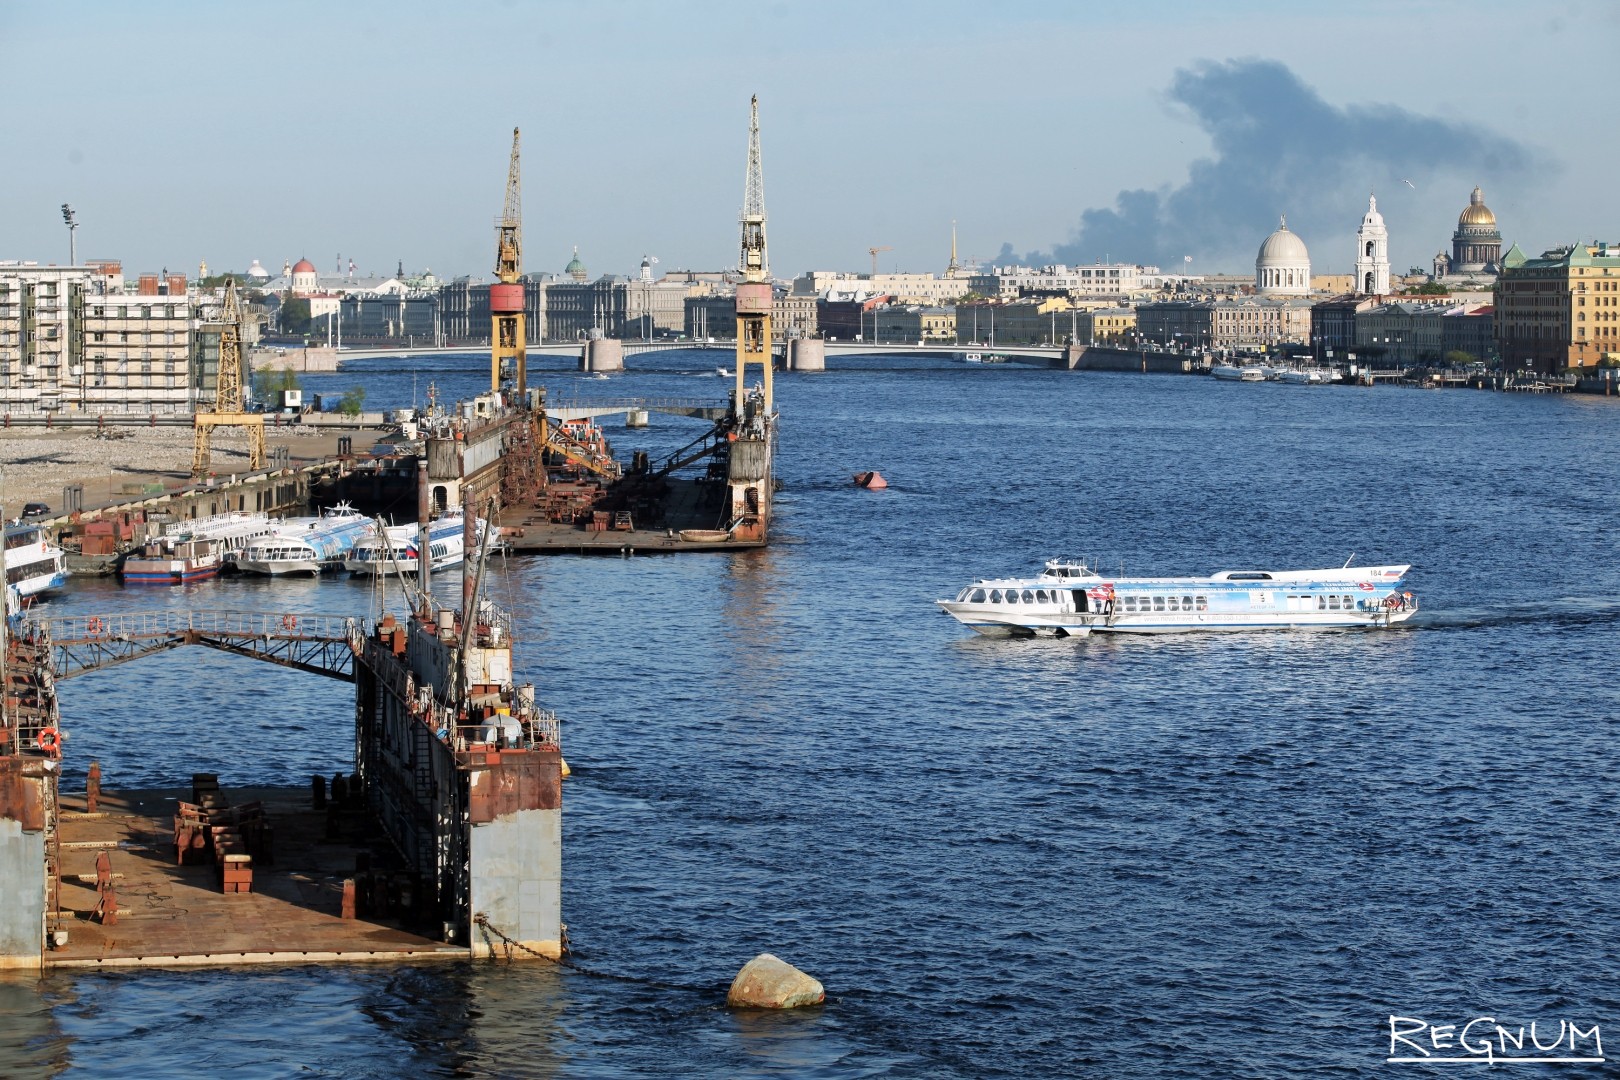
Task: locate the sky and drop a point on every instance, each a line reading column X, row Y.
column 1144, row 132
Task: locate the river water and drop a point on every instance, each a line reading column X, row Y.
column 1225, row 855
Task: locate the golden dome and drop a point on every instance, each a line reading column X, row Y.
column 1477, row 212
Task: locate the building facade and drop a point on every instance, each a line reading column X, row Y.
column 916, row 324
column 1102, row 326
column 1035, row 321
column 1333, row 327
column 1560, row 311
column 1100, row 279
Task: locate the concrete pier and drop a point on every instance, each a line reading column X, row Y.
column 806, row 354
column 603, row 354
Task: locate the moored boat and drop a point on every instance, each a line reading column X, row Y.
column 235, row 531
column 399, row 547
column 175, row 561
column 1239, row 373
column 1069, row 598
column 34, row 565
column 307, row 545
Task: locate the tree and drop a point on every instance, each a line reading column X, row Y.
column 268, row 383
column 352, row 401
column 1428, row 288
column 1460, row 358
column 295, row 315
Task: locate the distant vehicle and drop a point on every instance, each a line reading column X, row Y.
column 36, row 510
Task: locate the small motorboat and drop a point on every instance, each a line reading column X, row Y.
column 871, row 480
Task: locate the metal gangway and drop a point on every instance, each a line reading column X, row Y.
column 316, row 643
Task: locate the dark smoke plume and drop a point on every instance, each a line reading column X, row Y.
column 1281, row 149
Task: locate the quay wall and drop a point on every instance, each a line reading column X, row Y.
column 1104, row 358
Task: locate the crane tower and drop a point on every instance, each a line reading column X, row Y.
column 228, row 409
column 754, row 293
column 508, row 334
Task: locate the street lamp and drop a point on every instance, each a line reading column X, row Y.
column 72, row 223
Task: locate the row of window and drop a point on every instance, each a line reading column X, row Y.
column 1141, row 604
column 1007, row 596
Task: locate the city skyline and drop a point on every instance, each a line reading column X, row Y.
column 1170, row 131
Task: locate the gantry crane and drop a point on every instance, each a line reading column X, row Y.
column 754, row 293
column 873, row 251
column 228, row 408
column 508, row 334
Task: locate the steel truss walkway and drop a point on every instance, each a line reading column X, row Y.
column 318, row 644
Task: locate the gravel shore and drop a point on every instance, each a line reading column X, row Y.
column 39, row 464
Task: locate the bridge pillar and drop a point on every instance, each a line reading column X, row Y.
column 1072, row 355
column 806, row 354
column 603, row 354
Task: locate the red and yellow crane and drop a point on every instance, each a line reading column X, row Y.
column 754, row 293
column 228, row 409
column 508, row 334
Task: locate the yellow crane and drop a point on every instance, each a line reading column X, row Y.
column 873, row 251
column 228, row 408
column 508, row 335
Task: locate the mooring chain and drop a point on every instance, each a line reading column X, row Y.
column 563, row 961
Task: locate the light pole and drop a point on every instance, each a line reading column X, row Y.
column 72, row 223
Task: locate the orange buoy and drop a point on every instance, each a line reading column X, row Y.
column 872, row 480
column 50, row 740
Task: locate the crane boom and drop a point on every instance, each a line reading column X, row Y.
column 508, row 333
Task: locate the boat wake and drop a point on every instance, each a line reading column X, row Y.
column 1566, row 611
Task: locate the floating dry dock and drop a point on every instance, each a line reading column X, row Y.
column 445, row 840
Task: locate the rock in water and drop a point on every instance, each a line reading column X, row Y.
column 766, row 982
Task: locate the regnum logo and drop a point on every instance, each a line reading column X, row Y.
column 1483, row 1041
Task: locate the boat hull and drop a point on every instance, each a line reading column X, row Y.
column 166, row 572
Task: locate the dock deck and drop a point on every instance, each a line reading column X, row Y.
column 526, row 531
column 171, row 915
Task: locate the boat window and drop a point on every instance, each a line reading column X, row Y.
column 1172, row 603
column 1321, row 603
column 1248, row 575
column 978, row 596
column 1158, row 603
column 1186, row 603
column 995, row 596
column 1203, row 603
column 1029, row 597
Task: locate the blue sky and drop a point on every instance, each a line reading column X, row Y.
column 380, row 131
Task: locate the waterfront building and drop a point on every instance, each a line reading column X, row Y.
column 1561, row 310
column 71, row 339
column 1252, row 322
column 1177, row 323
column 916, row 324
column 412, row 318
column 1333, row 326
column 714, row 315
column 1104, row 325
column 905, row 288
column 1372, row 253
column 1110, row 279
column 1401, row 334
column 1033, row 321
column 847, row 316
column 1471, row 329
column 1283, row 266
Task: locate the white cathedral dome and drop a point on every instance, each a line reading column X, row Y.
column 1283, row 266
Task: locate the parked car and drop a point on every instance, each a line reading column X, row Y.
column 36, row 510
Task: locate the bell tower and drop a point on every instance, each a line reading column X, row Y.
column 1372, row 253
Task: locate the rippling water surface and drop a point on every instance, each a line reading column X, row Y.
column 1228, row 855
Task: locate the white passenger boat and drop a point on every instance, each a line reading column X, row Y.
column 1299, row 376
column 399, row 546
column 234, row 531
column 1070, row 599
column 307, row 545
column 1239, row 373
column 34, row 565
